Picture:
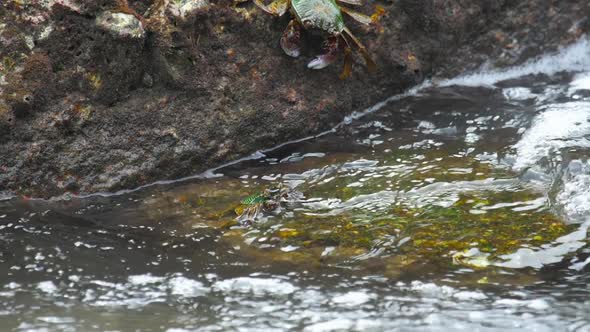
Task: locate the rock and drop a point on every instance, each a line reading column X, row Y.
column 147, row 80
column 185, row 8
column 121, row 25
column 119, row 93
column 6, row 120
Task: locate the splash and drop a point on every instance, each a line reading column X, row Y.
column 572, row 58
column 559, row 126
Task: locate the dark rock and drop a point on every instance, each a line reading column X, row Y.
column 111, row 94
column 6, row 120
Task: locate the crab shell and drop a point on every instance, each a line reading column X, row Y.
column 324, row 15
column 319, row 14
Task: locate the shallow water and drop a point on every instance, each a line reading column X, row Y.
column 449, row 208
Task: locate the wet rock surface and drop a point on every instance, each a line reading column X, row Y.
column 104, row 95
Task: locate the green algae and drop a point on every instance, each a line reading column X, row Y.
column 493, row 220
column 434, row 233
column 405, row 235
column 441, row 231
column 433, row 210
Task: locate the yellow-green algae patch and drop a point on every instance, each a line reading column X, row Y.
column 438, row 231
column 472, row 224
column 405, row 236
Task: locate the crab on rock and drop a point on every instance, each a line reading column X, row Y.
column 323, row 15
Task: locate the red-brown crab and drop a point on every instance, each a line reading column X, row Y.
column 323, row 15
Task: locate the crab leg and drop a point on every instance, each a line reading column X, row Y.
column 257, row 211
column 361, row 18
column 252, row 213
column 277, row 7
column 352, row 2
column 347, row 70
column 371, row 66
column 291, row 39
column 331, row 47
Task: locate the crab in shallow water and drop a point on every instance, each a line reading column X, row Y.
column 323, row 15
column 252, row 206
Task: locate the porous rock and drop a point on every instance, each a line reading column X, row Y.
column 110, row 94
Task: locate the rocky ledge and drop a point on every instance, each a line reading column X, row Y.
column 109, row 94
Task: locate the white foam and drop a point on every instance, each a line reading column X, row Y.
column 575, row 57
column 560, row 126
column 47, row 287
column 187, row 287
column 574, row 197
column 580, row 82
column 12, row 285
column 289, row 248
column 469, row 295
column 580, row 265
column 554, row 253
column 56, row 320
column 352, row 299
column 518, row 93
column 432, row 290
column 338, row 324
column 256, row 286
column 144, row 279
column 536, row 304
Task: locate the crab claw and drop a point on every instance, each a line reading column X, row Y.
column 291, row 39
column 330, row 55
column 321, row 61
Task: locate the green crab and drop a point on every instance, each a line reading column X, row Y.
column 253, row 205
column 323, row 15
